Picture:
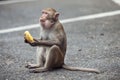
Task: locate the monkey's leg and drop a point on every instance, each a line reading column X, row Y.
column 39, row 63
column 54, row 59
column 40, row 60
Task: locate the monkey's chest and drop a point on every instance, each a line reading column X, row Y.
column 44, row 36
column 47, row 36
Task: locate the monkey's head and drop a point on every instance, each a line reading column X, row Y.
column 49, row 17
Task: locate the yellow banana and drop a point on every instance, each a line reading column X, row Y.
column 28, row 36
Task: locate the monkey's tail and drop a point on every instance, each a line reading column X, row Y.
column 80, row 69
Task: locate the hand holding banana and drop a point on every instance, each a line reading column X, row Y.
column 28, row 37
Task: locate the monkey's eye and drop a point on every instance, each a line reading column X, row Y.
column 44, row 12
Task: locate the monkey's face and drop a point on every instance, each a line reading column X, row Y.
column 45, row 19
column 48, row 18
column 44, row 16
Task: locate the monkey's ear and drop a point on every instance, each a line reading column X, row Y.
column 56, row 16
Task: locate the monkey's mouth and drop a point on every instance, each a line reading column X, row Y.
column 42, row 20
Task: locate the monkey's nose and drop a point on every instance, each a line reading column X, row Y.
column 42, row 20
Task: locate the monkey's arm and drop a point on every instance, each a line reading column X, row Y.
column 56, row 41
column 45, row 43
column 36, row 41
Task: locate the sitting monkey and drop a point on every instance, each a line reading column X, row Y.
column 51, row 47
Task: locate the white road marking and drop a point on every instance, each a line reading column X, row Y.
column 116, row 1
column 19, row 28
column 13, row 1
column 88, row 17
column 93, row 16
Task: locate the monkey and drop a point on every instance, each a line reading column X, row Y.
column 52, row 45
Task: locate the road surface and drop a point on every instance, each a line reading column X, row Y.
column 93, row 34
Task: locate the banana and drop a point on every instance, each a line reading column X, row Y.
column 28, row 37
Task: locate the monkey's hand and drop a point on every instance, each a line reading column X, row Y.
column 36, row 40
column 26, row 41
column 34, row 44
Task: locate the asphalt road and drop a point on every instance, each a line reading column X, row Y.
column 93, row 43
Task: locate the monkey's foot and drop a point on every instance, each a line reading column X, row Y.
column 28, row 66
column 38, row 70
column 31, row 66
